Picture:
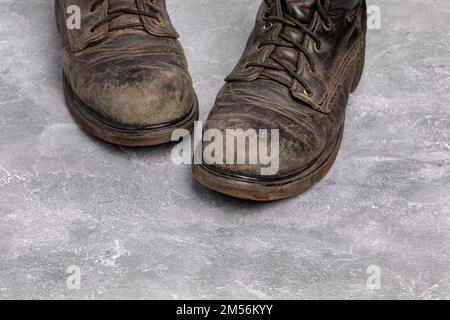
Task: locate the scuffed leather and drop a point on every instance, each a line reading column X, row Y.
column 133, row 77
column 307, row 126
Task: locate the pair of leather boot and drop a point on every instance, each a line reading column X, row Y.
column 126, row 81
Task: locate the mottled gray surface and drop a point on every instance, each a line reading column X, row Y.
column 139, row 227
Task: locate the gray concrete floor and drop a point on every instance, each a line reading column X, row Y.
column 137, row 226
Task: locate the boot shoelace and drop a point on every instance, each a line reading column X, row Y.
column 290, row 43
column 114, row 14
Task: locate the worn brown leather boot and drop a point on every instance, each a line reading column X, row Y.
column 126, row 77
column 302, row 60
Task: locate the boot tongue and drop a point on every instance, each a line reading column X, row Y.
column 301, row 10
column 121, row 4
column 124, row 20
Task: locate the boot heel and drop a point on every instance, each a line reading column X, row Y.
column 359, row 70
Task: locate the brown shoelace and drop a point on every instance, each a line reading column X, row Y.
column 288, row 20
column 114, row 14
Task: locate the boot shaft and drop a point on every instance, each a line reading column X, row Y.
column 303, row 10
column 306, row 45
column 306, row 4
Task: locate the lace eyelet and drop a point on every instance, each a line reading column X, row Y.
column 318, row 48
column 308, row 92
column 267, row 26
column 158, row 20
column 327, row 27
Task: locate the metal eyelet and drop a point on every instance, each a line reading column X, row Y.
column 318, row 48
column 308, row 92
column 158, row 20
column 327, row 27
column 267, row 26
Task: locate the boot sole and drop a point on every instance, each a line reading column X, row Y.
column 105, row 130
column 268, row 189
